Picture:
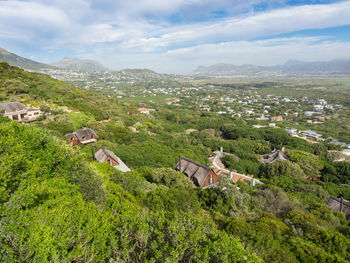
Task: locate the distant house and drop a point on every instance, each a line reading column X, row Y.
column 291, row 131
column 312, row 134
column 341, row 205
column 143, row 110
column 104, row 155
column 274, row 156
column 319, row 118
column 341, row 144
column 201, row 175
column 277, row 118
column 83, row 136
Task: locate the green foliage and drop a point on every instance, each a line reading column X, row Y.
column 281, row 168
column 310, row 163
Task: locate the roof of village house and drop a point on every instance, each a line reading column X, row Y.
column 334, row 203
column 274, row 156
column 193, row 169
column 102, row 154
column 82, row 134
column 12, row 106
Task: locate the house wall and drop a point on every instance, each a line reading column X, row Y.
column 89, row 138
column 112, row 161
column 74, row 141
column 215, row 179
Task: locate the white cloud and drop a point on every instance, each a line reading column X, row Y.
column 139, row 34
column 264, row 24
column 261, row 52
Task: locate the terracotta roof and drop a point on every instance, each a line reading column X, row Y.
column 274, row 156
column 195, row 171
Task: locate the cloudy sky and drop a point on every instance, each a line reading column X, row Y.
column 175, row 36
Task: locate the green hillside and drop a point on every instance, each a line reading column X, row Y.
column 18, row 61
column 59, row 205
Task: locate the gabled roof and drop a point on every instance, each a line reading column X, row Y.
column 82, row 134
column 193, row 169
column 102, row 154
column 274, row 156
column 12, row 106
column 86, row 132
column 335, row 203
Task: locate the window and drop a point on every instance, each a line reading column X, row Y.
column 210, row 179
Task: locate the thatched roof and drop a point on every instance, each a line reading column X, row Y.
column 8, row 107
column 102, row 154
column 335, row 204
column 274, row 156
column 193, row 170
column 82, row 134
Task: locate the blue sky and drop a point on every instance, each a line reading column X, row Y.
column 175, row 36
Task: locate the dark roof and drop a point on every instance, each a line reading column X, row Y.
column 334, row 203
column 79, row 134
column 274, row 156
column 102, row 154
column 195, row 171
column 86, row 132
column 12, row 106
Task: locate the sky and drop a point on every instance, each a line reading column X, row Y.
column 176, row 36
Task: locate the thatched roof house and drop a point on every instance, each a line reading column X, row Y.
column 83, row 136
column 200, row 174
column 104, row 155
column 341, row 205
column 16, row 111
column 274, row 156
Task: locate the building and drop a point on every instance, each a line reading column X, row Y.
column 33, row 113
column 341, row 205
column 291, row 131
column 277, row 118
column 341, row 144
column 272, row 157
column 312, row 134
column 143, row 110
column 83, row 136
column 16, row 111
column 319, row 118
column 219, row 169
column 201, row 175
column 103, row 155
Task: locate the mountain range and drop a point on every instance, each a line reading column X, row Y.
column 66, row 63
column 79, row 64
column 336, row 67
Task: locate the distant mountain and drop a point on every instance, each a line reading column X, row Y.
column 79, row 64
column 290, row 68
column 15, row 60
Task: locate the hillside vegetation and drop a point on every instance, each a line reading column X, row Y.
column 59, row 205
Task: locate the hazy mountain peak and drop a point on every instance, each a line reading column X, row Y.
column 79, row 64
column 292, row 67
